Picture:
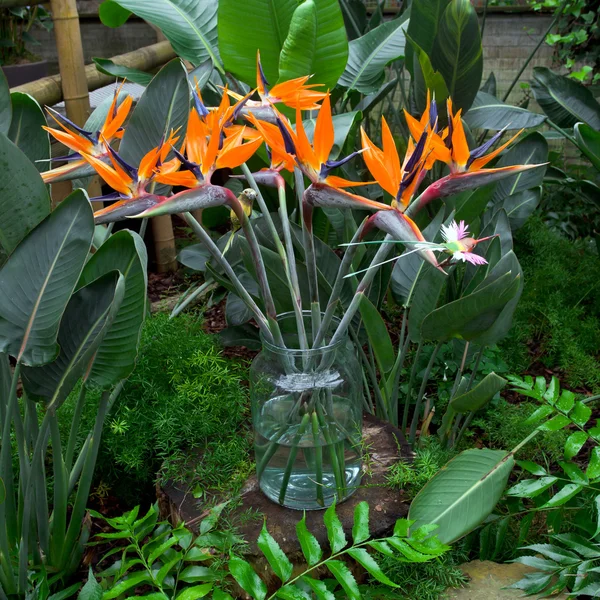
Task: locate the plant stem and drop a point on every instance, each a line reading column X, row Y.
column 224, row 264
column 484, row 17
column 394, row 376
column 292, row 457
column 318, row 458
column 306, row 213
column 143, row 227
column 416, row 414
column 61, row 497
column 367, row 279
column 75, row 426
column 411, row 381
column 557, row 15
column 202, row 290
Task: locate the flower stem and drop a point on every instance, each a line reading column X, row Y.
column 292, row 457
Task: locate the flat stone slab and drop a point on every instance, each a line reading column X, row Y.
column 487, row 580
column 384, row 444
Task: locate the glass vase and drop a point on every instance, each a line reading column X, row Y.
column 307, row 418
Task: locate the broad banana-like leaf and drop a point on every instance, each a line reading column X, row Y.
column 457, row 52
column 470, row 316
column 487, row 112
column 26, row 130
column 427, row 79
column 479, row 396
column 108, row 67
column 531, row 150
column 589, row 139
column 316, row 43
column 425, row 19
column 519, row 207
column 24, row 199
column 37, row 281
column 115, row 358
column 269, row 22
column 371, row 53
column 190, row 26
column 463, row 493
column 164, row 106
column 408, row 268
column 205, row 196
column 425, row 298
column 564, row 100
column 88, row 316
column 378, row 334
column 5, row 104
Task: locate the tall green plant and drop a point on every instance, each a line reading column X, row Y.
column 60, row 320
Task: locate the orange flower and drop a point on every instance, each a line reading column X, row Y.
column 211, row 143
column 86, row 142
column 399, row 181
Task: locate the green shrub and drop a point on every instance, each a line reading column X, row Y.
column 558, row 318
column 183, row 399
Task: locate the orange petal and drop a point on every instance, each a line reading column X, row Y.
column 234, row 157
column 460, row 147
column 479, row 163
column 390, row 152
column 324, row 134
column 340, row 182
column 109, row 130
column 53, row 174
column 181, row 178
column 109, row 174
column 70, row 140
column 304, row 151
column 374, row 160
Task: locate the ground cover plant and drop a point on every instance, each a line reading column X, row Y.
column 387, row 230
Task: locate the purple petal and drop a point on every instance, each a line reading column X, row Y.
column 481, row 150
column 199, row 105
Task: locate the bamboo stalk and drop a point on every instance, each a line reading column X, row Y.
column 164, row 244
column 48, row 90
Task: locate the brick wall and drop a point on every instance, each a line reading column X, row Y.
column 508, row 40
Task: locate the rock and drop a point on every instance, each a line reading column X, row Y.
column 487, row 580
column 385, row 445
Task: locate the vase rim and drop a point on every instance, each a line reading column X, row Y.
column 307, row 315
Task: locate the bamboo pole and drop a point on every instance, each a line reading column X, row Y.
column 48, row 91
column 164, row 244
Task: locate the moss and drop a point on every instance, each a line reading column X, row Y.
column 558, row 318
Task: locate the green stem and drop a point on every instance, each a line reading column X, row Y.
column 292, row 457
column 398, row 366
column 557, row 15
column 224, row 264
column 75, row 421
column 143, row 227
column 411, row 381
column 416, row 415
column 338, row 473
column 59, row 513
column 318, row 458
column 483, row 18
column 202, row 290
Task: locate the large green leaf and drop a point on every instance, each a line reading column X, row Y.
column 113, row 15
column 88, row 315
column 253, row 25
column 370, row 54
column 463, row 493
column 425, row 19
column 5, row 104
column 480, row 395
column 190, row 25
column 24, row 199
column 531, row 150
column 26, row 130
column 164, row 106
column 589, row 139
column 457, row 53
column 519, row 207
column 470, row 316
column 37, row 281
column 502, row 324
column 409, row 266
column 378, row 334
column 487, row 112
column 108, row 67
column 564, row 100
column 316, row 43
column 425, row 296
column 115, row 358
column 426, row 79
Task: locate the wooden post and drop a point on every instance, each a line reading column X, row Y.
column 72, row 71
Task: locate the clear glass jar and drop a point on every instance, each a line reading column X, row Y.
column 307, row 418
